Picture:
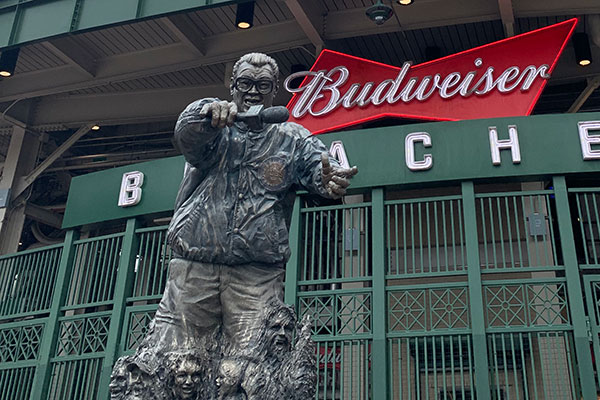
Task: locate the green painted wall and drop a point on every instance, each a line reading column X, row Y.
column 461, row 151
column 27, row 20
column 94, row 197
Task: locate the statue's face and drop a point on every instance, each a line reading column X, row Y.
column 118, row 383
column 253, row 85
column 139, row 384
column 279, row 334
column 187, row 380
column 228, row 378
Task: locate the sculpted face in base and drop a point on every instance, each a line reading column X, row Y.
column 187, row 379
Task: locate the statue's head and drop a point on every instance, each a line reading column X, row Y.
column 139, row 383
column 118, row 380
column 185, row 375
column 254, row 81
column 228, row 378
column 280, row 329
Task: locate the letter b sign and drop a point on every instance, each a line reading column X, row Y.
column 131, row 189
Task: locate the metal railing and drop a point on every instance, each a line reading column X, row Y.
column 469, row 296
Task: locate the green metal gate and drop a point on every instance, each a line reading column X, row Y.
column 474, row 294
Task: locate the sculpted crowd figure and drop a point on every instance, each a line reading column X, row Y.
column 229, row 235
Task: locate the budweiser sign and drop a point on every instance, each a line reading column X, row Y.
column 500, row 79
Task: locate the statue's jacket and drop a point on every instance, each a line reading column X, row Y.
column 235, row 200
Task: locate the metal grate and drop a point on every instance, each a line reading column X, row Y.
column 27, row 281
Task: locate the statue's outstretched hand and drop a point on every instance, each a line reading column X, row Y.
column 221, row 113
column 335, row 179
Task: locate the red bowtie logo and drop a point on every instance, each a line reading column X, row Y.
column 500, row 79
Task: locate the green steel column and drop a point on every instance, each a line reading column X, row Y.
column 42, row 373
column 482, row 376
column 379, row 362
column 574, row 289
column 293, row 266
column 123, row 287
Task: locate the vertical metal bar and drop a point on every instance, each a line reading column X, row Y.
column 426, row 358
column 48, row 341
column 435, row 367
column 320, row 253
column 328, row 252
column 514, row 363
column 480, row 353
column 404, row 249
column 509, row 229
column 428, row 237
column 320, row 360
column 293, row 264
column 446, row 237
column 152, row 264
column 421, row 237
column 412, row 238
column 312, row 247
column 123, row 287
column 552, row 235
column 304, row 242
column 453, row 374
column 526, row 232
column 574, row 289
column 453, row 235
column 580, row 218
column 368, row 245
column 501, row 231
column 378, row 350
column 524, row 367
column 595, row 206
column 336, row 273
column 591, row 229
column 570, row 363
column 535, row 238
column 437, row 235
column 518, row 231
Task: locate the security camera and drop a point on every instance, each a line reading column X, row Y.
column 379, row 13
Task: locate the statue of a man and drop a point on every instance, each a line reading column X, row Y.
column 229, row 232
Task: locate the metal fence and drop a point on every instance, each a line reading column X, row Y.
column 465, row 296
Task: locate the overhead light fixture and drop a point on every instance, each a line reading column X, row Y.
column 244, row 16
column 95, row 127
column 379, row 12
column 405, row 2
column 8, row 62
column 583, row 53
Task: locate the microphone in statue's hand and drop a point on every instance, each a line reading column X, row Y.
column 257, row 115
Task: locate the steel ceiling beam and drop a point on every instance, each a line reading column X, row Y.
column 73, row 54
column 592, row 85
column 309, row 14
column 186, row 33
column 508, row 17
column 26, row 181
column 220, row 48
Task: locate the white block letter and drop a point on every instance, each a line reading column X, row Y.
column 131, row 189
column 409, row 151
column 338, row 152
column 512, row 143
column 587, row 141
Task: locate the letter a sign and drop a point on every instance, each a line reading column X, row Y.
column 500, row 79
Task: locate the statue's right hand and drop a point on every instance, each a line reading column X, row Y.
column 221, row 113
